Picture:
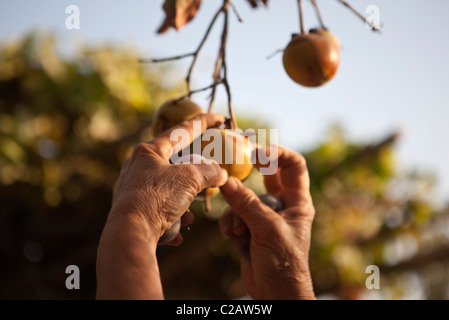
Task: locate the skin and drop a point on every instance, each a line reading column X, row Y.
column 151, row 194
column 273, row 247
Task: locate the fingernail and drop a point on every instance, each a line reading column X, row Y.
column 231, row 186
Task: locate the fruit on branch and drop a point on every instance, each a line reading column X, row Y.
column 172, row 113
column 328, row 34
column 312, row 59
column 232, row 151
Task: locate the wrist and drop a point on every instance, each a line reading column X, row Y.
column 127, row 216
column 127, row 265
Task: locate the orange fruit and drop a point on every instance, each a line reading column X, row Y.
column 174, row 112
column 311, row 59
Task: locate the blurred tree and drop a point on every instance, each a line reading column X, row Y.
column 65, row 127
column 369, row 212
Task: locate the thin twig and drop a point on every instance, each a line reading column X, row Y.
column 188, row 95
column 361, row 16
column 197, row 52
column 219, row 62
column 318, row 13
column 301, row 17
column 234, row 9
column 220, row 71
column 182, row 56
column 233, row 121
column 275, row 53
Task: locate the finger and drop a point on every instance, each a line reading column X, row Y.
column 294, row 172
column 187, row 218
column 273, row 183
column 239, row 228
column 241, row 245
column 208, row 175
column 226, row 223
column 185, row 133
column 291, row 181
column 264, row 157
column 294, row 177
column 178, row 240
column 246, row 204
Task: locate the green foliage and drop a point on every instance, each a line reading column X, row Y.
column 65, row 127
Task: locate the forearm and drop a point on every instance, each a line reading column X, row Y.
column 127, row 266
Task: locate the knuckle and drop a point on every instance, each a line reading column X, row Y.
column 201, row 117
column 157, row 147
column 307, row 209
column 189, row 171
column 188, row 176
column 301, row 159
column 141, row 148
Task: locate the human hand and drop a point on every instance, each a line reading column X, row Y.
column 273, row 247
column 160, row 192
column 149, row 197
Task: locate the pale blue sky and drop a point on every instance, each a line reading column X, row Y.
column 396, row 80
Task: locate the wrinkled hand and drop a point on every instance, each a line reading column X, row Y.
column 273, row 247
column 160, row 192
column 150, row 195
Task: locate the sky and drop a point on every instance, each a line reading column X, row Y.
column 396, row 80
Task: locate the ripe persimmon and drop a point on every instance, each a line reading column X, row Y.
column 312, row 59
column 232, row 152
column 327, row 33
column 172, row 113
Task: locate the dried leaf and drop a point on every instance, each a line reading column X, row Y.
column 255, row 3
column 178, row 13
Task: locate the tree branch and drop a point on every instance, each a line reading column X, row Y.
column 182, row 56
column 220, row 71
column 364, row 153
column 361, row 16
column 203, row 41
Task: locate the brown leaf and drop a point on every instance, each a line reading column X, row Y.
column 178, row 13
column 255, row 3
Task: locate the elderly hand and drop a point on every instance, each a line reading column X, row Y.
column 273, row 247
column 150, row 195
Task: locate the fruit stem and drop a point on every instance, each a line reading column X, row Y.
column 301, row 17
column 221, row 67
column 318, row 13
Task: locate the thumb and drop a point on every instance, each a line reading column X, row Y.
column 246, row 204
column 212, row 175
